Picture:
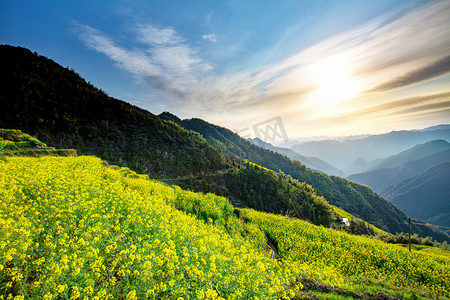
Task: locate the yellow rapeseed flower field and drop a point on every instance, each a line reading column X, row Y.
column 338, row 258
column 73, row 228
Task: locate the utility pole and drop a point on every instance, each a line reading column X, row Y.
column 409, row 223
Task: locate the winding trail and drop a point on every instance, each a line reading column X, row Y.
column 273, row 251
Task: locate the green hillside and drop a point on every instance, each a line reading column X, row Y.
column 440, row 220
column 355, row 264
column 72, row 227
column 357, row 199
column 14, row 142
column 250, row 185
column 357, row 225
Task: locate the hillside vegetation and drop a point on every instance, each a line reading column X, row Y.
column 357, row 199
column 339, row 259
column 14, row 142
column 250, row 185
column 73, row 227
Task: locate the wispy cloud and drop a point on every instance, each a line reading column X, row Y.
column 437, row 68
column 165, row 63
column 210, row 37
column 157, row 36
column 135, row 62
column 407, row 104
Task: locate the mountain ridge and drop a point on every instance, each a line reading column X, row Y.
column 414, row 167
column 313, row 163
column 340, row 154
column 423, row 196
column 417, row 152
column 408, row 163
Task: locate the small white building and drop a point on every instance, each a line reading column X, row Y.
column 346, row 222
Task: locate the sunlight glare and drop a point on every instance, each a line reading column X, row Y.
column 334, row 82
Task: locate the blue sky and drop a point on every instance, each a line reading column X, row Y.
column 323, row 67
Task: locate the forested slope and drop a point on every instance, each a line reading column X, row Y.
column 60, row 108
column 357, row 199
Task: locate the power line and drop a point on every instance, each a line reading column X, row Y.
column 398, row 223
column 415, row 223
column 427, row 224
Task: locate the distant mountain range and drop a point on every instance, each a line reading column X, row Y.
column 421, row 151
column 313, row 163
column 415, row 180
column 407, row 163
column 57, row 106
column 425, row 196
column 354, row 156
column 397, row 177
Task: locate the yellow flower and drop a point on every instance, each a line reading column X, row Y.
column 131, row 295
column 75, row 293
column 48, row 296
column 61, row 288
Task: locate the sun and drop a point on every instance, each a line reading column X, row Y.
column 334, row 82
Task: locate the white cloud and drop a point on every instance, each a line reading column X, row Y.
column 210, row 37
column 167, row 64
column 157, row 36
column 135, row 62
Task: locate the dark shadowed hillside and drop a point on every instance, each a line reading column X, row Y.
column 60, row 108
